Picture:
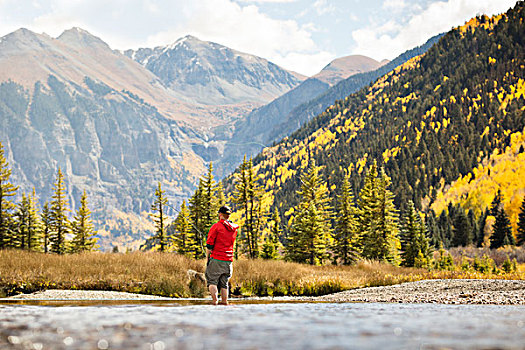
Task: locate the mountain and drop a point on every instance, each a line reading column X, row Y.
column 113, row 126
column 270, row 123
column 212, row 74
column 110, row 124
column 344, row 67
column 427, row 122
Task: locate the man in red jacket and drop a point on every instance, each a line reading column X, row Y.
column 219, row 255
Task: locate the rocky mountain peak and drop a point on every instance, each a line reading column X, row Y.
column 78, row 37
column 344, row 67
column 213, row 74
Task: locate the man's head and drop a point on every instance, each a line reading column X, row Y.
column 224, row 213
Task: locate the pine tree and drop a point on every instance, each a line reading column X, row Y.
column 59, row 218
column 501, row 231
column 28, row 223
column 414, row 242
column 248, row 195
column 209, row 199
column 7, row 190
column 47, row 226
column 271, row 243
column 346, row 238
column 197, row 223
column 521, row 223
column 311, row 230
column 462, row 233
column 184, row 238
column 378, row 218
column 83, row 230
column 495, row 206
column 480, row 235
column 158, row 207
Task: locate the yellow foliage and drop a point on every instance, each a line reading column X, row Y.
column 504, row 171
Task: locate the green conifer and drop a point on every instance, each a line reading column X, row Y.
column 271, row 244
column 28, row 223
column 248, row 195
column 184, row 238
column 311, row 230
column 159, row 218
column 7, row 191
column 209, row 199
column 197, row 213
column 47, row 226
column 521, row 223
column 346, row 245
column 83, row 230
column 462, row 232
column 501, row 231
column 378, row 218
column 414, row 242
column 59, row 218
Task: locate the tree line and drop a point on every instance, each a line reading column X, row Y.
column 321, row 229
column 50, row 230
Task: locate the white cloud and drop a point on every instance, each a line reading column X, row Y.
column 323, row 7
column 246, row 29
column 395, row 5
column 393, row 38
column 267, row 1
column 125, row 24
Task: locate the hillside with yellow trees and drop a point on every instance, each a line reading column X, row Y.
column 446, row 127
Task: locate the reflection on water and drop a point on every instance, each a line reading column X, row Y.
column 262, row 326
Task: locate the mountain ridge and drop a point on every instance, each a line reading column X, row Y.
column 213, row 74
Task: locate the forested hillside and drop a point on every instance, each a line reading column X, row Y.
column 428, row 122
column 284, row 115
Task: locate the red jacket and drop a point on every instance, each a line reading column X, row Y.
column 220, row 240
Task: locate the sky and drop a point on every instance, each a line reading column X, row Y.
column 299, row 35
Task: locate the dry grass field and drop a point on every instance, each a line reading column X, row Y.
column 165, row 274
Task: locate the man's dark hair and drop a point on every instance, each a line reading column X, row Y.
column 225, row 210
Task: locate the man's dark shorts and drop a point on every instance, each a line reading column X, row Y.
column 218, row 273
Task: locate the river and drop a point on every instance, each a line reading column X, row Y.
column 192, row 325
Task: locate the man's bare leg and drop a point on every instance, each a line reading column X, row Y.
column 224, row 296
column 213, row 292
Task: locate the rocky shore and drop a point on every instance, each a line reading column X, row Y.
column 468, row 291
column 479, row 291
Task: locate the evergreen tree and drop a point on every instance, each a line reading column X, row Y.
column 59, row 218
column 47, row 226
column 378, row 218
column 209, row 199
column 311, row 230
column 248, row 195
column 480, row 235
column 501, row 231
column 28, row 223
column 495, row 206
column 346, row 238
column 462, row 233
column 83, row 230
column 271, row 243
column 521, row 223
column 7, row 190
column 196, row 219
column 158, row 208
column 184, row 237
column 414, row 242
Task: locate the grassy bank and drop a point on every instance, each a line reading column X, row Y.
column 166, row 274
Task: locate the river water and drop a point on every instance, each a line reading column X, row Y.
column 184, row 325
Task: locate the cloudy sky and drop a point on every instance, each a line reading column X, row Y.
column 301, row 35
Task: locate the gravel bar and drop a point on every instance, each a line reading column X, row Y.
column 446, row 291
column 59, row 294
column 452, row 291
